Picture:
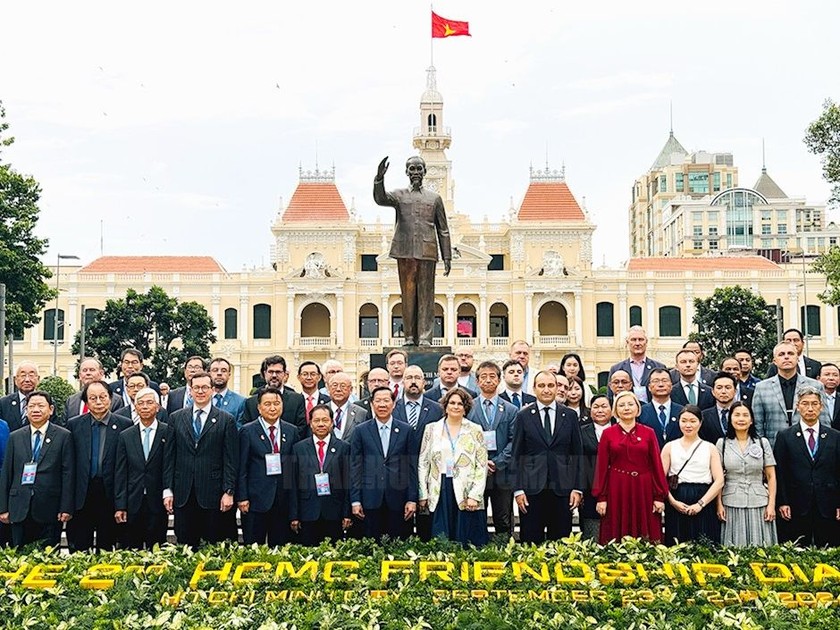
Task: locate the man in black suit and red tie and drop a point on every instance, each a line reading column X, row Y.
column 266, row 473
column 95, row 436
column 138, row 477
column 808, row 475
column 320, row 507
column 201, row 475
column 547, row 464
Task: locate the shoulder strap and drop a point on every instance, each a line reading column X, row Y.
column 685, row 463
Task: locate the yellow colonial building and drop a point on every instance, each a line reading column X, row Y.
column 332, row 291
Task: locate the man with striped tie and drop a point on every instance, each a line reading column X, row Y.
column 513, row 374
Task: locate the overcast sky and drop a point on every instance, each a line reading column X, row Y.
column 180, row 125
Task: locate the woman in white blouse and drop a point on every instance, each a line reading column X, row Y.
column 691, row 511
column 453, row 471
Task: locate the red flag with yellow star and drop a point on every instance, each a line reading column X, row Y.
column 441, row 27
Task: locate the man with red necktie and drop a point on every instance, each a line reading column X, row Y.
column 309, row 375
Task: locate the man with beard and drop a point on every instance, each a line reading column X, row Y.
column 223, row 398
column 273, row 370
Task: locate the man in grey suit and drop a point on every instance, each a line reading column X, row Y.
column 420, row 225
column 90, row 370
column 346, row 414
column 37, row 498
column 496, row 417
column 638, row 365
column 775, row 398
column 202, row 472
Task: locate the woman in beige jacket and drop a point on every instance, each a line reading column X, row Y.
column 453, row 471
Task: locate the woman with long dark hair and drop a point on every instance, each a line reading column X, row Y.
column 746, row 506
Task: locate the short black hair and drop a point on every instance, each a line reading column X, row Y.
column 305, row 363
column 193, row 358
column 142, row 375
column 723, row 374
column 133, row 351
column 40, row 392
column 87, row 387
column 382, row 388
column 262, row 391
column 326, row 408
column 796, row 330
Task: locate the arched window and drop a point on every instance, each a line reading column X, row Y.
column 604, row 319
column 231, row 323
column 262, row 321
column 49, row 324
column 368, row 321
column 670, row 321
column 635, row 315
column 432, row 120
column 315, row 320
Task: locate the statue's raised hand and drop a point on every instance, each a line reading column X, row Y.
column 382, row 169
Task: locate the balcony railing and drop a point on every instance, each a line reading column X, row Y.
column 309, row 342
column 499, row 342
column 553, row 340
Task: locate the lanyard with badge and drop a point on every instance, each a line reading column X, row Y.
column 273, row 464
column 489, row 435
column 450, row 461
column 27, row 478
column 322, row 479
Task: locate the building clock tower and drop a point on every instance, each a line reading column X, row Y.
column 432, row 139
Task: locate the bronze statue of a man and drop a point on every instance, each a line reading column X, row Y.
column 420, row 226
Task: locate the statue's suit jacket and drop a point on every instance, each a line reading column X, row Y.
column 420, row 222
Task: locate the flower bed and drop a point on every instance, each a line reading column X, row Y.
column 359, row 584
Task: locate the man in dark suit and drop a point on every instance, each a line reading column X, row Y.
column 706, row 375
column 804, row 365
column 716, row 419
column 13, row 406
column 266, row 473
column 273, row 370
column 346, row 416
column 807, row 470
column 497, row 418
column 89, row 370
column 747, row 379
column 743, row 393
column 638, row 365
column 421, row 218
column 133, row 384
column 38, row 499
column 95, row 436
column 830, row 379
column 377, row 377
column 448, row 371
column 138, row 475
column 131, row 361
column 309, row 376
column 321, row 498
column 417, row 410
column 179, row 398
column 513, row 374
column 547, row 464
column 201, row 475
column 383, row 473
column 688, row 388
column 414, row 407
column 661, row 414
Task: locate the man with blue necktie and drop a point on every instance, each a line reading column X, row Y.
column 513, row 374
column 661, row 414
column 496, row 417
column 223, row 398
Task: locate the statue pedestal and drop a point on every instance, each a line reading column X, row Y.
column 426, row 358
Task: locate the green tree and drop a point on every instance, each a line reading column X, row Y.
column 828, row 264
column 165, row 331
column 21, row 269
column 60, row 390
column 731, row 319
column 823, row 138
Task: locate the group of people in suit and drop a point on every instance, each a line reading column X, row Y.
column 323, row 464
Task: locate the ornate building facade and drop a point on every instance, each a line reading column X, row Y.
column 332, row 291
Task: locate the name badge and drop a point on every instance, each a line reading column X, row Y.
column 450, row 468
column 490, row 440
column 273, row 465
column 28, row 476
column 322, row 484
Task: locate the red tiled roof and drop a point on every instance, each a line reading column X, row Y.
column 165, row 264
column 550, row 201
column 703, row 263
column 316, row 201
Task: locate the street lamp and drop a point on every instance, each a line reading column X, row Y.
column 60, row 257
